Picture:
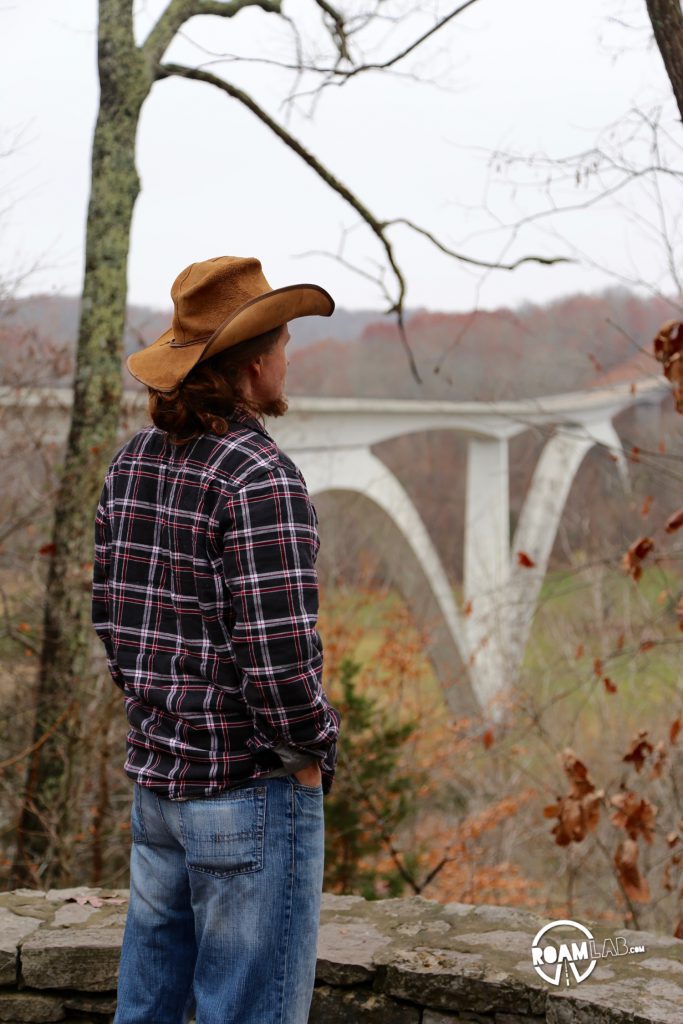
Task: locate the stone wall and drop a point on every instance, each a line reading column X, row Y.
column 400, row 961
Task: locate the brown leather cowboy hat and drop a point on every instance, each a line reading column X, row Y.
column 216, row 304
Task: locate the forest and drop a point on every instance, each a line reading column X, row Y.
column 466, row 811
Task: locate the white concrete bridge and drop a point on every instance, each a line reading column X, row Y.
column 477, row 655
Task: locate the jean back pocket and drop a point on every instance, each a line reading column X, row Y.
column 225, row 835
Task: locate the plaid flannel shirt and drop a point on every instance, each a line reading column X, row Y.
column 205, row 596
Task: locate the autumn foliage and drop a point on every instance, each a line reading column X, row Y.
column 668, row 348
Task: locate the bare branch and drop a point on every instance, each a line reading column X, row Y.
column 335, row 74
column 180, row 11
column 544, row 260
column 412, row 46
column 338, row 257
column 339, row 76
column 299, row 67
column 40, row 742
column 338, row 28
column 376, row 226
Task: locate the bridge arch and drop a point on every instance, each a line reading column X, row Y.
column 422, row 580
column 540, row 518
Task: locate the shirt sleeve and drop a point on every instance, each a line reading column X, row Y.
column 100, row 585
column 270, row 545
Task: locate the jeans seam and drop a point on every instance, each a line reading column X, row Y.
column 290, row 899
column 137, row 801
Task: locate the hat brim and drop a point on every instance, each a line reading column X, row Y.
column 163, row 365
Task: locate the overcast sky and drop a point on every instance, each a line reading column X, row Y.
column 525, row 75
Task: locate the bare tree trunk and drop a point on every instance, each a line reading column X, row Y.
column 667, row 22
column 125, row 80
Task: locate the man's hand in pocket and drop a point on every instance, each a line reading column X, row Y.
column 310, row 775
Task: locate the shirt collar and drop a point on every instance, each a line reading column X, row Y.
column 240, row 415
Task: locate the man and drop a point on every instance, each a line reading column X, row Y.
column 205, row 596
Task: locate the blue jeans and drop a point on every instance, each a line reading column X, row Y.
column 224, row 906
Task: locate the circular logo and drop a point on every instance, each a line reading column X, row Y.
column 563, row 949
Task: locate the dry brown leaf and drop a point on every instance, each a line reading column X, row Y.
column 576, row 818
column 639, row 750
column 632, row 560
column 525, row 561
column 97, row 901
column 646, row 506
column 674, row 730
column 674, row 522
column 626, row 863
column 609, row 685
column 579, row 812
column 658, row 761
column 667, row 345
column 635, row 815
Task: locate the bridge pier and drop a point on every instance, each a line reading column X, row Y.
column 487, row 566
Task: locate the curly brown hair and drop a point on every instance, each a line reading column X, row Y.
column 203, row 402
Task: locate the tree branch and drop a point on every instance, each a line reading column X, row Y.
column 543, row 260
column 339, row 76
column 338, row 28
column 180, row 11
column 335, row 74
column 412, row 46
column 39, row 742
column 376, row 226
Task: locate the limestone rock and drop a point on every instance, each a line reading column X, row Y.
column 13, row 929
column 345, row 951
column 516, row 1018
column 335, row 1006
column 30, row 1008
column 434, row 1017
column 93, row 1003
column 72, row 913
column 81, row 958
column 626, row 1001
column 445, row 978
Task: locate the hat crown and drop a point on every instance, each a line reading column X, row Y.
column 205, row 294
